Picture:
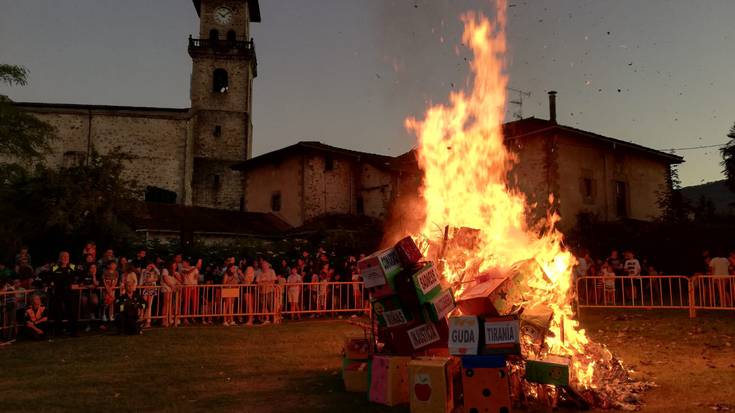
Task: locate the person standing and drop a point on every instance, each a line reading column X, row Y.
column 719, row 267
column 266, row 281
column 149, row 277
column 63, row 301
column 190, row 276
column 294, row 292
column 633, row 270
column 110, row 278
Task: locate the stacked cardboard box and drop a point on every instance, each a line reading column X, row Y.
column 440, row 361
column 501, row 342
column 410, row 303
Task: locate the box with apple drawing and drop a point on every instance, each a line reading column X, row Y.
column 434, row 384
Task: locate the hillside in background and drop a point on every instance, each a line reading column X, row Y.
column 722, row 198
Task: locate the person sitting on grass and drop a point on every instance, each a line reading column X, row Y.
column 130, row 306
column 36, row 318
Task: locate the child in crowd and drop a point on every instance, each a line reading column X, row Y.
column 607, row 272
column 109, row 281
column 294, row 292
column 230, row 278
column 149, row 278
column 169, row 284
column 248, row 280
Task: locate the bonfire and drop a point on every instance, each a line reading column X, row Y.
column 476, row 225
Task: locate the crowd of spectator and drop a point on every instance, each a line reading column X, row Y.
column 109, row 291
column 609, row 274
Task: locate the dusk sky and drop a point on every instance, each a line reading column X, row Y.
column 348, row 72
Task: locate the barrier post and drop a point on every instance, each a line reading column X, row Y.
column 692, row 300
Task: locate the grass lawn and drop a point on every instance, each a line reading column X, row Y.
column 294, row 367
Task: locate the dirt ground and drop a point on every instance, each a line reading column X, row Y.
column 294, row 367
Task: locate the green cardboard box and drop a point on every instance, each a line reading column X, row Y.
column 427, row 282
column 551, row 370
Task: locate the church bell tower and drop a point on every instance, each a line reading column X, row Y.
column 223, row 68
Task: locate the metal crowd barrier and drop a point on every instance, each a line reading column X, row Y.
column 205, row 302
column 657, row 291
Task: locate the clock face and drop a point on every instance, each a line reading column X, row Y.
column 223, row 15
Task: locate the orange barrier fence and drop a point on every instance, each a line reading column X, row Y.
column 657, row 291
column 207, row 303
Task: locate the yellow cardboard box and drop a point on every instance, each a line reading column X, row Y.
column 434, row 384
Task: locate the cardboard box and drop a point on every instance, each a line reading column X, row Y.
column 390, row 313
column 389, row 380
column 475, row 300
column 441, row 305
column 502, row 335
column 535, row 324
column 434, row 384
column 377, row 268
column 408, row 252
column 357, row 348
column 465, row 335
column 550, row 370
column 427, row 282
column 485, row 384
column 356, row 375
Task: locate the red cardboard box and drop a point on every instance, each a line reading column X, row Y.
column 408, row 252
column 485, row 384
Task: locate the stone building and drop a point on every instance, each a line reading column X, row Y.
column 587, row 173
column 310, row 179
column 180, row 155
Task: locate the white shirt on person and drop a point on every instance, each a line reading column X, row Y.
column 719, row 266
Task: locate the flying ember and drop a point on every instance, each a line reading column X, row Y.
column 476, row 226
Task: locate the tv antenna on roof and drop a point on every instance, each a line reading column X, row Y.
column 518, row 114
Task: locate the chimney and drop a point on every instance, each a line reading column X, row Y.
column 552, row 106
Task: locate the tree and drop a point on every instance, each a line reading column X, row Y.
column 728, row 159
column 22, row 135
column 674, row 207
column 62, row 208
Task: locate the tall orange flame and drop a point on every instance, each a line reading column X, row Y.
column 465, row 164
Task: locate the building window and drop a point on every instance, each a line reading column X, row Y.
column 328, row 163
column 360, row 206
column 231, row 36
column 587, row 190
column 276, row 202
column 217, row 131
column 213, row 35
column 73, row 159
column 220, row 82
column 216, row 181
column 621, row 199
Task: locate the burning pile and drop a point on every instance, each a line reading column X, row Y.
column 514, row 327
